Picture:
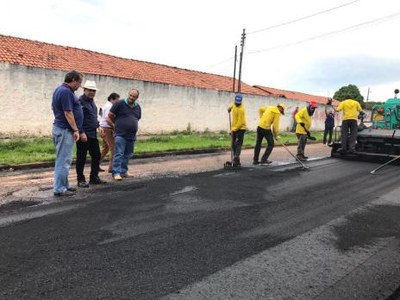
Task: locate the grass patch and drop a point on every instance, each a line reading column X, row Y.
column 18, row 151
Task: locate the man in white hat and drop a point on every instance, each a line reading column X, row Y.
column 88, row 138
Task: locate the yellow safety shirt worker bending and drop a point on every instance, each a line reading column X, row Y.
column 269, row 117
column 303, row 117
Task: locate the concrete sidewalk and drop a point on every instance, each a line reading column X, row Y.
column 34, row 186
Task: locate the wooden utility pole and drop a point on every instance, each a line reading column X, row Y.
column 234, row 71
column 241, row 59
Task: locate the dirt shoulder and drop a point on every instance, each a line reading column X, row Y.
column 32, row 186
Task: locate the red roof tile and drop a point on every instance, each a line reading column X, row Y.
column 30, row 53
column 43, row 55
column 295, row 95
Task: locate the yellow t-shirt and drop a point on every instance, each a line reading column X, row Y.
column 238, row 117
column 303, row 117
column 350, row 108
column 269, row 117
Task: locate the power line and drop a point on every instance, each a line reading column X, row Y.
column 303, row 18
column 332, row 33
column 286, row 23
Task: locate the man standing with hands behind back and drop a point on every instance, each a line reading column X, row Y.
column 88, row 138
column 68, row 118
column 125, row 115
column 351, row 109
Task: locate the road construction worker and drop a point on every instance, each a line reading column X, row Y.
column 268, row 128
column 351, row 109
column 238, row 127
column 303, row 119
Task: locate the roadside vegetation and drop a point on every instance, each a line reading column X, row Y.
column 31, row 150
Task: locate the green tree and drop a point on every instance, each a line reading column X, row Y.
column 349, row 92
column 370, row 104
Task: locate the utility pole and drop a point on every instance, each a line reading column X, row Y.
column 366, row 101
column 241, row 59
column 234, row 71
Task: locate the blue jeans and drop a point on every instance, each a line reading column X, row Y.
column 63, row 140
column 123, row 151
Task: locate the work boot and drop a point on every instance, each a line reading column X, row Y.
column 265, row 162
column 236, row 162
column 301, row 157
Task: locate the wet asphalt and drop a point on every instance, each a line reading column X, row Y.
column 278, row 232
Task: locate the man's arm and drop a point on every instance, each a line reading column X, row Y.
column 110, row 119
column 71, row 121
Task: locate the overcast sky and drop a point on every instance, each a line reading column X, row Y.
column 310, row 46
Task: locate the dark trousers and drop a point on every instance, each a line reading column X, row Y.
column 261, row 134
column 237, row 142
column 349, row 135
column 294, row 126
column 328, row 133
column 302, row 142
column 82, row 148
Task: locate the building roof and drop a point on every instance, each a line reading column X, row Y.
column 295, row 95
column 30, row 53
column 37, row 54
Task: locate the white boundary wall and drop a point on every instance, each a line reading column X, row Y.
column 26, row 92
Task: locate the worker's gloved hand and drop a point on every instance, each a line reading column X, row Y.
column 302, row 124
column 310, row 137
column 277, row 138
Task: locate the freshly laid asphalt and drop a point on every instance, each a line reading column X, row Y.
column 30, row 184
column 185, row 228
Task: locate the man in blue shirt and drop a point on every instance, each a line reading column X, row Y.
column 68, row 118
column 88, row 138
column 125, row 115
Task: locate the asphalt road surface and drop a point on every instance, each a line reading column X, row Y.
column 277, row 232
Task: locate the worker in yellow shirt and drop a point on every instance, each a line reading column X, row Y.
column 351, row 109
column 268, row 128
column 238, row 127
column 303, row 119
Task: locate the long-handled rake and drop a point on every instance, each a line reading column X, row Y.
column 297, row 159
column 385, row 164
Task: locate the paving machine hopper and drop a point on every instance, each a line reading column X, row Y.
column 380, row 136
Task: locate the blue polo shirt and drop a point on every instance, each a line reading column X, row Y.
column 90, row 122
column 126, row 119
column 64, row 99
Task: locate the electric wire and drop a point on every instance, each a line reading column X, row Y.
column 332, row 33
column 302, row 18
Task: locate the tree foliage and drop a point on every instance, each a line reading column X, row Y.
column 349, row 92
column 370, row 104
